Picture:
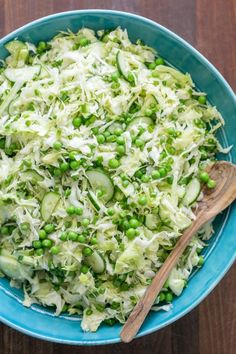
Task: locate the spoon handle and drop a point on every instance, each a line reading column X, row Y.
column 143, row 307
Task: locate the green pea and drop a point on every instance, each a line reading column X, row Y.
column 113, row 163
column 47, row 243
column 200, row 261
column 55, row 250
column 39, row 251
column 162, row 172
column 24, row 226
column 134, row 223
column 57, row 145
column 120, row 140
column 155, row 174
column 142, row 200
column 152, row 65
column 168, row 297
column 120, row 149
column 84, row 269
column 70, row 210
column 72, row 155
column 170, row 179
column 145, row 178
column 101, row 139
column 63, row 236
column 139, row 142
column 148, row 112
column 93, row 241
column 77, row 121
column 37, row 244
column 57, row 172
column 160, row 61
column 162, row 297
column 79, row 211
column 170, row 149
column 110, row 212
column 111, row 138
column 130, row 233
column 74, row 165
column 202, row 99
column 211, row 183
column 85, row 222
column 64, row 166
column 87, row 251
column 72, row 236
column 42, row 234
column 125, row 183
column 118, row 132
column 115, row 76
column 49, row 228
column 84, row 41
column 204, row 177
column 81, row 238
column 67, row 192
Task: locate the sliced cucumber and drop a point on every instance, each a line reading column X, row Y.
column 139, row 122
column 152, row 221
column 96, row 262
column 19, row 53
column 93, row 199
column 31, row 175
column 15, row 46
column 193, row 190
column 114, row 126
column 22, row 74
column 49, row 203
column 122, row 62
column 149, row 103
column 13, row 269
column 99, row 180
column 182, row 221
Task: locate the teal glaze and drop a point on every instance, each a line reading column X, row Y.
column 220, row 254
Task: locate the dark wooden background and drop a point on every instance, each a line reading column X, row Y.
column 210, row 25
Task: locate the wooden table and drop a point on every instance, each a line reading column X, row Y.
column 210, row 25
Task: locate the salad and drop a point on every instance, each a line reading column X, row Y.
column 103, row 148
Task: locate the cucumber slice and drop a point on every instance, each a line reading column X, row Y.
column 139, row 122
column 31, row 175
column 13, row 269
column 193, row 190
column 22, row 74
column 49, row 203
column 93, row 199
column 150, row 102
column 114, row 126
column 18, row 53
column 123, row 66
column 15, row 46
column 96, row 262
column 100, row 180
column 152, row 221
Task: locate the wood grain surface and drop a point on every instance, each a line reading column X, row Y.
column 210, row 25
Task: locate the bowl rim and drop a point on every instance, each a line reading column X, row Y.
column 230, row 92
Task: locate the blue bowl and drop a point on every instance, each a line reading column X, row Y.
column 221, row 253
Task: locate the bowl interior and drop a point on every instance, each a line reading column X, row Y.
column 220, row 254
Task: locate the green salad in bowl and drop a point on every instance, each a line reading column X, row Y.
column 103, row 149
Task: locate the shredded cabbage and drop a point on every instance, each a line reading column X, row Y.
column 98, row 101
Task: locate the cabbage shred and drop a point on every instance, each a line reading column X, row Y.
column 138, row 121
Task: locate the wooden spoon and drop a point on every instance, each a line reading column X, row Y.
column 214, row 201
